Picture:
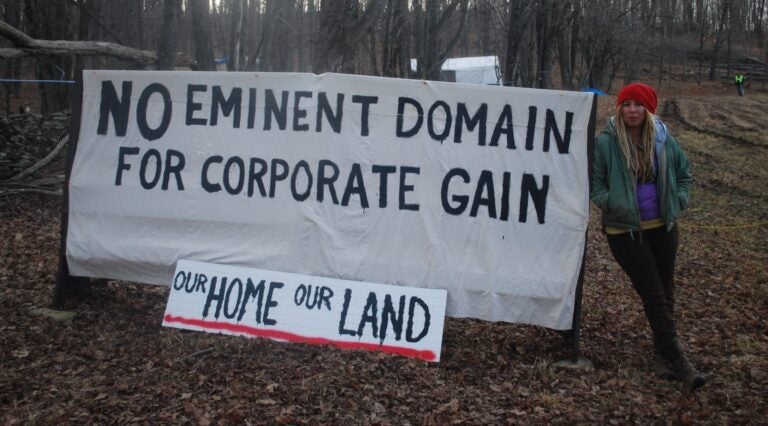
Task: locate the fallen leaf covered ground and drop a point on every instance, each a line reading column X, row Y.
column 114, row 364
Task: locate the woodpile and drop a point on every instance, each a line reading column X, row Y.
column 28, row 142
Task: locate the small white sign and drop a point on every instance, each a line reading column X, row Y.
column 301, row 308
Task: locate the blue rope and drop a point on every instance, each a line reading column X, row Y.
column 2, row 80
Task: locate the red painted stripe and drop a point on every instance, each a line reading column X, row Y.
column 426, row 355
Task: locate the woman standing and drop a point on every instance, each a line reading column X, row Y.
column 641, row 181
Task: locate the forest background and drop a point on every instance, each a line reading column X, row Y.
column 568, row 44
column 103, row 357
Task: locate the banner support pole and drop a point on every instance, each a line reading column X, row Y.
column 574, row 334
column 66, row 284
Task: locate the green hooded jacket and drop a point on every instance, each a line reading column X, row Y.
column 614, row 189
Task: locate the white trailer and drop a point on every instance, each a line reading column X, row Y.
column 474, row 70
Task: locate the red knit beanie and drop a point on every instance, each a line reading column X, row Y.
column 639, row 92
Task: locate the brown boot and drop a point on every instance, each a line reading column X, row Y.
column 691, row 378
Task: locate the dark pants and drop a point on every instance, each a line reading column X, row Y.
column 648, row 257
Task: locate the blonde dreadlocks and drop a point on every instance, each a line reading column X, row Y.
column 639, row 154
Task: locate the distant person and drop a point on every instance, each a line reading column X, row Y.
column 739, row 80
column 641, row 182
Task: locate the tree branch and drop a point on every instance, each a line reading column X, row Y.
column 47, row 159
column 56, row 193
column 15, row 36
column 25, row 46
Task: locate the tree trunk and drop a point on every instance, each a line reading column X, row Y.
column 50, row 22
column 372, row 53
column 719, row 40
column 517, row 25
column 262, row 55
column 395, row 61
column 566, row 47
column 12, row 14
column 136, row 11
column 543, row 44
column 430, row 31
column 307, row 31
column 167, row 45
column 236, row 36
column 342, row 27
column 201, row 35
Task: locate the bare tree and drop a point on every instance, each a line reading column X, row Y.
column 134, row 31
column 601, row 50
column 51, row 22
column 201, row 35
column 237, row 22
column 757, row 12
column 395, row 60
column 11, row 67
column 434, row 43
column 721, row 35
column 266, row 55
column 167, row 45
column 552, row 21
column 307, row 23
column 591, row 41
column 343, row 24
column 703, row 35
column 567, row 39
column 519, row 23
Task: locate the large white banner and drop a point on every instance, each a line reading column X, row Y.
column 479, row 190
